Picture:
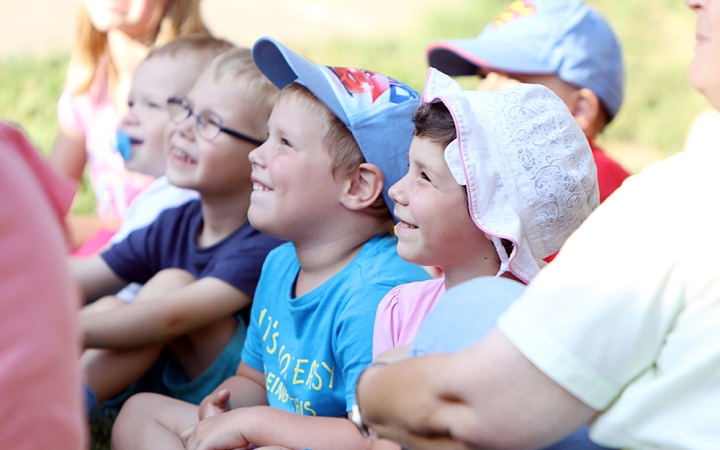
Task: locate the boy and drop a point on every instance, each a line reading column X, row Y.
column 199, row 262
column 562, row 44
column 338, row 138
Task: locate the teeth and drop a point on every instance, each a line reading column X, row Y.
column 184, row 157
column 407, row 225
column 259, row 187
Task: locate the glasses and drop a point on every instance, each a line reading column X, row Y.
column 207, row 124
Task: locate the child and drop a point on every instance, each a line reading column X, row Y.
column 167, row 70
column 199, row 262
column 111, row 39
column 562, row 44
column 528, row 181
column 337, row 141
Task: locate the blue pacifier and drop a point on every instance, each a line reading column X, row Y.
column 122, row 144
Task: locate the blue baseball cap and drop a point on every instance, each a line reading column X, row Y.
column 565, row 38
column 377, row 109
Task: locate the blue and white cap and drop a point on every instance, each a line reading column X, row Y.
column 377, row 109
column 565, row 38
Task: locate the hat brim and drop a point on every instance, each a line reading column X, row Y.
column 465, row 56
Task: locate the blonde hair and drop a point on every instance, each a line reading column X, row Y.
column 338, row 141
column 237, row 66
column 209, row 45
column 180, row 18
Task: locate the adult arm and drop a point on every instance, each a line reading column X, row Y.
column 171, row 314
column 489, row 396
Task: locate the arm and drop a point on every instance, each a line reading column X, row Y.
column 488, row 396
column 95, row 277
column 265, row 426
column 171, row 314
column 245, row 388
column 68, row 155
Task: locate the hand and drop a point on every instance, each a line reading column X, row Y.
column 214, row 404
column 219, row 432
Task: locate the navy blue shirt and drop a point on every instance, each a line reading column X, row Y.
column 170, row 242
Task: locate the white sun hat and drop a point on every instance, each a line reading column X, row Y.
column 526, row 164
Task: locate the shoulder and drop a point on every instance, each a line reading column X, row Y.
column 379, row 264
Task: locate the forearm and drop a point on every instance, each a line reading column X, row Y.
column 243, row 392
column 403, row 397
column 128, row 326
column 272, row 426
column 489, row 396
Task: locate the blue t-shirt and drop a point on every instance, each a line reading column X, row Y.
column 170, row 242
column 312, row 348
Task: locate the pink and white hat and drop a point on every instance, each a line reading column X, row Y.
column 526, row 163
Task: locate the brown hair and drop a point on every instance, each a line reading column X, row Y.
column 338, row 141
column 433, row 121
column 180, row 18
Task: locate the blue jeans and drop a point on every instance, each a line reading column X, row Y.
column 464, row 315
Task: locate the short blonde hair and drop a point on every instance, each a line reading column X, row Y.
column 338, row 141
column 180, row 18
column 237, row 66
column 198, row 44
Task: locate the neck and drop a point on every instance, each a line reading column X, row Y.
column 328, row 253
column 125, row 55
column 222, row 215
column 485, row 265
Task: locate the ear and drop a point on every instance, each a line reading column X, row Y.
column 586, row 109
column 362, row 187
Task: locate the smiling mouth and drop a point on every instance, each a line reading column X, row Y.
column 406, row 225
column 183, row 157
column 259, row 187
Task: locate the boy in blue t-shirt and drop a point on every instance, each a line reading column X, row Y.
column 199, row 262
column 337, row 140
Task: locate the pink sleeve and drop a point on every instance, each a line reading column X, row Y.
column 40, row 383
column 386, row 321
column 402, row 311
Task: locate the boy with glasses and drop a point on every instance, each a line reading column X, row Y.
column 199, row 263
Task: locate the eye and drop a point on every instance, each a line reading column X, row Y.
column 130, row 103
column 285, row 142
column 154, row 105
column 424, row 176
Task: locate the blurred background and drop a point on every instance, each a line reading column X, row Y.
column 388, row 36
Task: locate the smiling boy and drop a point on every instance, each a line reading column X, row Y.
column 199, row 262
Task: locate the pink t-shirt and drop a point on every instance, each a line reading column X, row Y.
column 401, row 312
column 40, row 383
column 92, row 115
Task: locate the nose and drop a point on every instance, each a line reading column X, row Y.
column 130, row 118
column 257, row 155
column 398, row 193
column 186, row 127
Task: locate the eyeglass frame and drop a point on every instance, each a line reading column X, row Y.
column 184, row 101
